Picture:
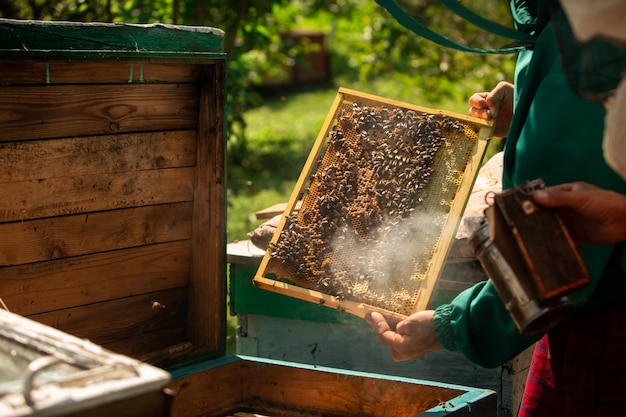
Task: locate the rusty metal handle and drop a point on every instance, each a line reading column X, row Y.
column 34, row 368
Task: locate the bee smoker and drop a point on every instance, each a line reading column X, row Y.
column 530, row 257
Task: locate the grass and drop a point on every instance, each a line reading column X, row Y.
column 281, row 132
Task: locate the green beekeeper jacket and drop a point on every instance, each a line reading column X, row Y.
column 557, row 136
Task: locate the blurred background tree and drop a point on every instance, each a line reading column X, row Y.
column 367, row 49
column 363, row 40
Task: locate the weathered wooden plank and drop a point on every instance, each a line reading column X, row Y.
column 154, row 347
column 30, row 71
column 280, row 389
column 64, row 237
column 122, row 318
column 32, row 199
column 325, row 392
column 63, row 283
column 223, row 383
column 150, row 404
column 207, row 282
column 520, row 368
column 78, row 157
column 32, row 112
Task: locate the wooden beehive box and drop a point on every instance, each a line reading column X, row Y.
column 240, row 386
column 112, row 183
column 113, row 217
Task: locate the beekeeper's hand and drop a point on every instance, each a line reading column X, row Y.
column 591, row 214
column 412, row 338
column 497, row 104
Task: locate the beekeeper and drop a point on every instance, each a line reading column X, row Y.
column 578, row 366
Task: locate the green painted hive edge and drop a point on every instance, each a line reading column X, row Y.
column 73, row 40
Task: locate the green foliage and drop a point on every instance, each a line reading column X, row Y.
column 282, row 130
column 363, row 40
column 269, row 136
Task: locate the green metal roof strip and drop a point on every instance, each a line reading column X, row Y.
column 74, row 40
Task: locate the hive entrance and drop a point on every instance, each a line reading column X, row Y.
column 378, row 194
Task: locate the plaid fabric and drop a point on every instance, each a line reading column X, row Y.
column 579, row 367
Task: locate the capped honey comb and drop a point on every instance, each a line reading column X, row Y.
column 381, row 195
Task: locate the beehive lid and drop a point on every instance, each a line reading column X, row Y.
column 108, row 40
column 44, row 371
column 382, row 193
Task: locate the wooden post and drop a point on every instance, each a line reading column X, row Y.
column 207, row 290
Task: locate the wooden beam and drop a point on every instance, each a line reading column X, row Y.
column 207, row 285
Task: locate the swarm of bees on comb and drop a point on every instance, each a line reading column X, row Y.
column 358, row 212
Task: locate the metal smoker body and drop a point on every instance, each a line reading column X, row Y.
column 530, row 257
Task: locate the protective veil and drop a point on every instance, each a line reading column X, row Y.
column 604, row 19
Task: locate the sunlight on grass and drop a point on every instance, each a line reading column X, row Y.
column 298, row 117
column 281, row 132
column 241, row 208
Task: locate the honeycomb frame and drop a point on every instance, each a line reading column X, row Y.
column 381, row 194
